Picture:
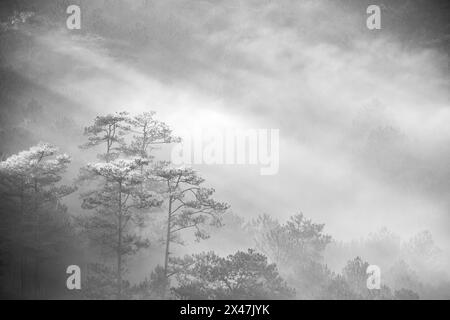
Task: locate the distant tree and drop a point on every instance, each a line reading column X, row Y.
column 234, row 230
column 189, row 205
column 401, row 276
column 110, row 131
column 298, row 239
column 355, row 273
column 266, row 233
column 243, row 275
column 422, row 252
column 337, row 288
column 118, row 206
column 297, row 248
column 309, row 278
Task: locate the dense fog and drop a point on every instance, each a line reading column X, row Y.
column 89, row 120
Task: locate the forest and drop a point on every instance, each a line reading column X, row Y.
column 86, row 177
column 127, row 193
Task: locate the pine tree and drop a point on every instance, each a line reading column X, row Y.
column 148, row 134
column 243, row 275
column 118, row 205
column 189, row 205
column 110, row 131
column 34, row 219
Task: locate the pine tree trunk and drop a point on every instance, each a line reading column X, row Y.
column 36, row 273
column 119, row 249
column 166, row 257
column 22, row 261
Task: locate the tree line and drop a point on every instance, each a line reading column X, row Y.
column 120, row 194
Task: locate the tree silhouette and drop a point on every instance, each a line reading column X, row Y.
column 34, row 220
column 297, row 248
column 118, row 209
column 148, row 134
column 189, row 205
column 108, row 130
column 243, row 275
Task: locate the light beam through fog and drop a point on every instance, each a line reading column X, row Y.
column 362, row 118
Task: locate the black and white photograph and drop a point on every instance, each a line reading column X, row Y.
column 224, row 150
